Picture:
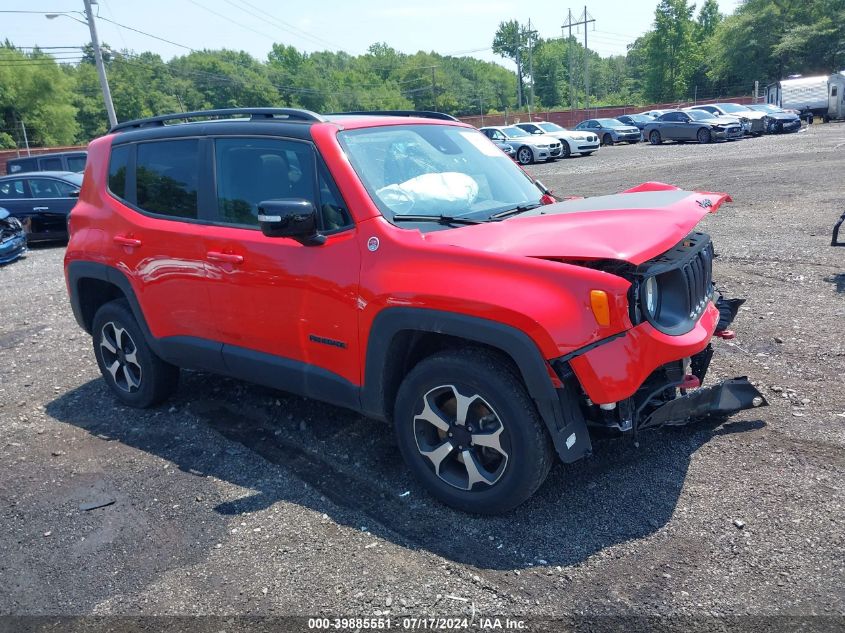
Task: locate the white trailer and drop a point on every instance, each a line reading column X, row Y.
column 810, row 96
column 836, row 97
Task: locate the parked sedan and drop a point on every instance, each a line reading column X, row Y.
column 41, row 201
column 779, row 120
column 637, row 120
column 755, row 122
column 12, row 238
column 530, row 148
column 571, row 142
column 610, row 131
column 690, row 126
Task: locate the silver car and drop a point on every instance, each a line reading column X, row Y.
column 530, row 148
column 753, row 122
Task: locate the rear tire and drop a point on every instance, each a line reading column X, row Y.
column 130, row 368
column 654, row 137
column 473, row 394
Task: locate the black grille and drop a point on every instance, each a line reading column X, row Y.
column 698, row 273
column 684, row 276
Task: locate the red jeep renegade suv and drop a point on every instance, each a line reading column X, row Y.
column 398, row 264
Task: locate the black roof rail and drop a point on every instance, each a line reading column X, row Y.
column 423, row 114
column 290, row 114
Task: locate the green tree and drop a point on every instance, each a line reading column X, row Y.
column 33, row 89
column 669, row 50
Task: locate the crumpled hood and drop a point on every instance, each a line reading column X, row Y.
column 724, row 120
column 783, row 116
column 634, row 226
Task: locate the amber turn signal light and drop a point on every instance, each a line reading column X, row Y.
column 601, row 307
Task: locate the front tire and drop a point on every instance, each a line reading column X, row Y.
column 130, row 368
column 607, row 139
column 654, row 137
column 470, row 432
column 565, row 150
column 525, row 156
column 704, row 136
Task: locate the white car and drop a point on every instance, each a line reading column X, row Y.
column 572, row 141
column 530, row 148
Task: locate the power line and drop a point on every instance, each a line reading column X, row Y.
column 155, row 37
column 286, row 26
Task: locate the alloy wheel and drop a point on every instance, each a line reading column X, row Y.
column 120, row 357
column 525, row 156
column 462, row 438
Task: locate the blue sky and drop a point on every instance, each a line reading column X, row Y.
column 445, row 26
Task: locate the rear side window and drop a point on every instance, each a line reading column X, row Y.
column 76, row 163
column 51, row 164
column 49, row 188
column 167, row 177
column 118, row 165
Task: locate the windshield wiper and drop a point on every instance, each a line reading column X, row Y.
column 440, row 219
column 522, row 208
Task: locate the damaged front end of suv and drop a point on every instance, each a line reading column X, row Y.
column 673, row 305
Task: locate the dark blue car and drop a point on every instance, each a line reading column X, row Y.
column 778, row 120
column 41, row 200
column 12, row 238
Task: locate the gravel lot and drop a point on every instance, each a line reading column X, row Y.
column 233, row 499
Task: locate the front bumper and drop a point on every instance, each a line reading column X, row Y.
column 724, row 398
column 592, row 147
column 615, row 370
column 12, row 248
column 628, row 136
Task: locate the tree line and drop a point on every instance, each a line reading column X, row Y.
column 691, row 52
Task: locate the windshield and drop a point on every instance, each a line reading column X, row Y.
column 700, row 115
column 436, row 170
column 551, row 127
column 513, row 131
column 639, row 118
column 733, row 107
column 609, row 122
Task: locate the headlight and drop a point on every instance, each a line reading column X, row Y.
column 651, row 295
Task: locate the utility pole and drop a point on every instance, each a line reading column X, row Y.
column 481, row 108
column 531, row 34
column 585, row 20
column 519, row 73
column 25, row 140
column 571, row 67
column 433, row 88
column 101, row 69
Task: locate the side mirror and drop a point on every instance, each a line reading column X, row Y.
column 290, row 217
column 73, row 194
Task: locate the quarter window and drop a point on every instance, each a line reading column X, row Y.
column 12, row 190
column 118, row 165
column 167, row 176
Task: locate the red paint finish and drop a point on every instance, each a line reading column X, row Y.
column 240, row 287
column 614, row 371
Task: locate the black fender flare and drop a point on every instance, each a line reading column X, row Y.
column 565, row 423
column 77, row 271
